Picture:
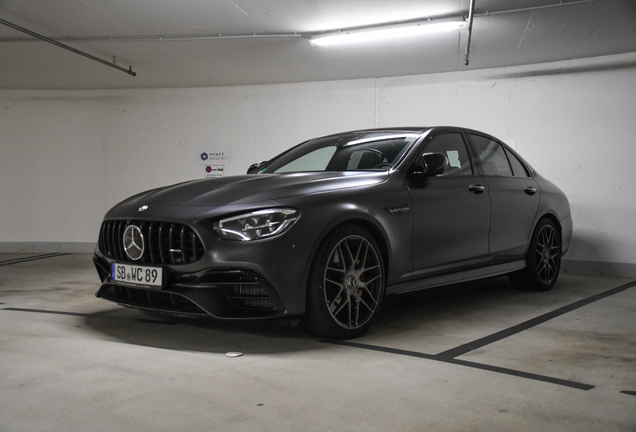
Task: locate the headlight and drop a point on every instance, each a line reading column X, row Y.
column 256, row 225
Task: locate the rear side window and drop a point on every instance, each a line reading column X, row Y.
column 453, row 147
column 518, row 169
column 492, row 156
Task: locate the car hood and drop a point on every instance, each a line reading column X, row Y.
column 253, row 188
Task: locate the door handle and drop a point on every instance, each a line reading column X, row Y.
column 476, row 189
column 530, row 190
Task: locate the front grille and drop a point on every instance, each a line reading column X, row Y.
column 164, row 242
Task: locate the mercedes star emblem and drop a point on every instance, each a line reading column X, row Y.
column 133, row 242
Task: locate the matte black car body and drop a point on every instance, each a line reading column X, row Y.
column 429, row 231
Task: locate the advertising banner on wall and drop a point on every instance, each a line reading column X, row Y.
column 214, row 171
column 214, row 156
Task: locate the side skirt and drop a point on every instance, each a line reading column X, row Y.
column 449, row 279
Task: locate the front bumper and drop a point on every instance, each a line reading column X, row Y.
column 223, row 294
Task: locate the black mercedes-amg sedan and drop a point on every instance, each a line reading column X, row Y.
column 327, row 229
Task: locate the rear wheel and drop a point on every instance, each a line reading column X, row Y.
column 543, row 262
column 346, row 284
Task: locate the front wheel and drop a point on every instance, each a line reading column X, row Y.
column 543, row 262
column 346, row 284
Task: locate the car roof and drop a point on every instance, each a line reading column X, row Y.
column 385, row 129
column 407, row 129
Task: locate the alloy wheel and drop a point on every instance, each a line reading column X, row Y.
column 353, row 282
column 548, row 254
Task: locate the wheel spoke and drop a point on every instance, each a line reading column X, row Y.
column 339, row 283
column 335, row 269
column 357, row 257
column 345, row 244
column 363, row 261
column 370, row 295
column 550, row 237
column 542, row 270
column 349, row 310
column 361, row 300
column 550, row 269
column 341, row 305
column 373, row 279
column 355, row 324
column 367, row 269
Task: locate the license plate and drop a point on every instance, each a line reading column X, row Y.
column 137, row 275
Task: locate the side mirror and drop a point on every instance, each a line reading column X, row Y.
column 255, row 166
column 430, row 165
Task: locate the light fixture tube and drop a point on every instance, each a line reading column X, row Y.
column 376, row 33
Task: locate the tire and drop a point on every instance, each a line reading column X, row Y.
column 543, row 262
column 346, row 284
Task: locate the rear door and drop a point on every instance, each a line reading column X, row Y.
column 514, row 199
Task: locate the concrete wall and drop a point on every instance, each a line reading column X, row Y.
column 67, row 156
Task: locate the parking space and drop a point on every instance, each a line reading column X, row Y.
column 476, row 356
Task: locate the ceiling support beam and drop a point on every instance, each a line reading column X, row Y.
column 129, row 71
column 470, row 30
column 162, row 38
column 535, row 8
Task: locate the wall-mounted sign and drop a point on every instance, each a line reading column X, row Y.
column 208, row 156
column 214, row 171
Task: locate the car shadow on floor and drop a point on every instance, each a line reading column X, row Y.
column 400, row 313
column 199, row 334
column 439, row 301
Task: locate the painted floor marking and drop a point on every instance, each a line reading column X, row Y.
column 450, row 356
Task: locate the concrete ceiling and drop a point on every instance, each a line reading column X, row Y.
column 505, row 33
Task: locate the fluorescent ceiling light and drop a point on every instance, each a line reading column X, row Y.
column 376, row 33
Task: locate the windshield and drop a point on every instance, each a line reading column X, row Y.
column 368, row 151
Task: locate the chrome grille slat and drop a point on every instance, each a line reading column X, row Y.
column 150, row 243
column 109, row 239
column 182, row 237
column 141, row 226
column 165, row 242
column 193, row 239
column 170, row 243
column 161, row 243
column 118, row 240
column 112, row 241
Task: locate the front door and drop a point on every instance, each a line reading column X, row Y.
column 451, row 212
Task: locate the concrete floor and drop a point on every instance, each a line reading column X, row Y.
column 473, row 357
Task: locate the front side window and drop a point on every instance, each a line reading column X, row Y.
column 492, row 156
column 453, row 147
column 370, row 151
